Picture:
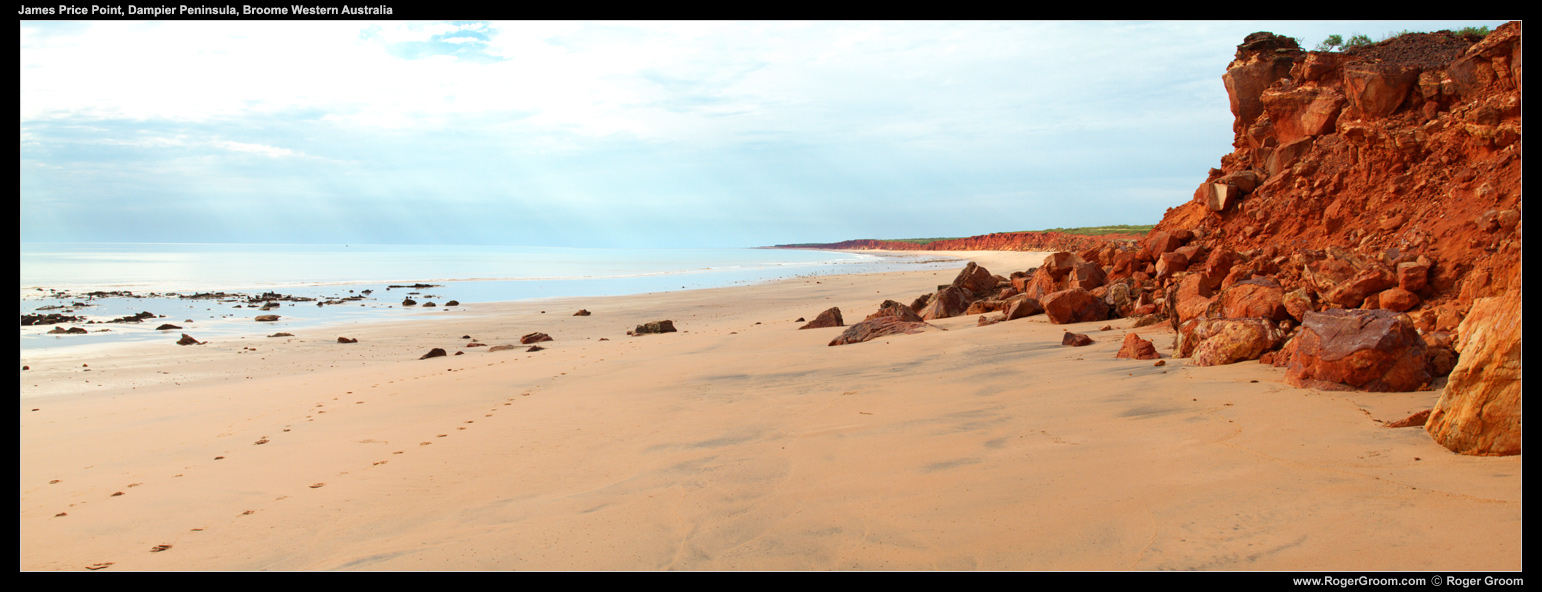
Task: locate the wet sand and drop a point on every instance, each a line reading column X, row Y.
column 738, row 443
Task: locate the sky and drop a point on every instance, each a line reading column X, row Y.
column 619, row 134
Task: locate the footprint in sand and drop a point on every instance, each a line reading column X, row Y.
column 159, row 548
column 97, row 566
column 262, row 441
column 424, row 443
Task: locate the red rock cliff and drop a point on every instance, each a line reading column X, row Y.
column 1405, row 148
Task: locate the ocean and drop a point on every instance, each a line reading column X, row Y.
column 57, row 278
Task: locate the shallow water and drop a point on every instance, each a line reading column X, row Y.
column 61, row 275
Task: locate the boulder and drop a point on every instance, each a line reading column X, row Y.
column 1260, row 297
column 892, row 309
column 655, row 327
column 188, row 340
column 452, row 303
column 1159, row 242
column 1368, row 350
column 1075, row 339
column 582, row 312
column 1397, row 299
column 1136, row 348
column 409, row 302
column 1298, row 303
column 1075, row 305
column 347, row 340
column 1228, row 341
column 437, row 352
column 829, row 318
column 1022, row 306
column 536, row 337
column 1479, row 412
column 1413, row 275
column 167, row 327
column 974, row 278
column 951, row 301
column 1353, row 292
column 874, row 328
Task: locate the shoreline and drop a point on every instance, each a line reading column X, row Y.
column 738, row 443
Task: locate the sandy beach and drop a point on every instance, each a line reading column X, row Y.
column 737, row 443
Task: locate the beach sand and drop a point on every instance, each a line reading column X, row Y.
column 738, row 443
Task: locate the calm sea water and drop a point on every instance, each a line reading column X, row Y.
column 58, row 275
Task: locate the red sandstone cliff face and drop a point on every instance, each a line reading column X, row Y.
column 1387, row 177
column 1407, row 148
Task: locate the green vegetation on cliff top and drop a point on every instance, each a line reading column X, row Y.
column 1083, row 231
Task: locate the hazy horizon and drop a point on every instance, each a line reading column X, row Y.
column 614, row 134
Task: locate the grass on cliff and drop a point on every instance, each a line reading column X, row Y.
column 1103, row 230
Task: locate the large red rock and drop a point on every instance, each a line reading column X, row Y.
column 1480, row 410
column 1260, row 297
column 874, row 328
column 1368, row 350
column 1159, row 242
column 1022, row 306
column 1192, row 298
column 948, row 302
column 1396, row 299
column 893, row 309
column 974, row 278
column 831, row 317
column 1136, row 348
column 1413, row 275
column 1353, row 292
column 1074, row 306
column 1233, row 340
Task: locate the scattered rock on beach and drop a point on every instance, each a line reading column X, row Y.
column 167, row 327
column 437, row 352
column 536, row 337
column 452, row 303
column 879, row 327
column 1416, row 420
column 266, row 318
column 665, row 326
column 1075, row 339
column 1136, row 348
column 535, row 348
column 347, row 340
column 501, row 347
column 188, row 340
column 829, row 318
column 282, row 334
column 582, row 312
column 409, row 302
